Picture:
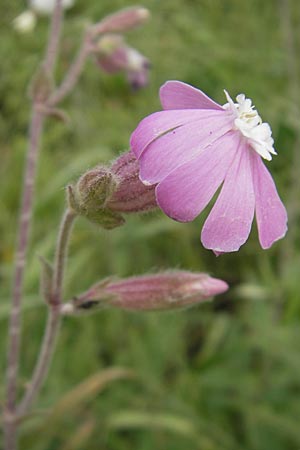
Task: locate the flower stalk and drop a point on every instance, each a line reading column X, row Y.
column 73, row 73
column 54, row 316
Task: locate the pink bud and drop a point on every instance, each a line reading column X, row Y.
column 123, row 20
column 137, row 69
column 131, row 195
column 103, row 194
column 114, row 55
column 165, row 291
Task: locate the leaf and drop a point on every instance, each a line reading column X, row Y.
column 77, row 397
column 80, row 435
column 86, row 390
column 140, row 419
column 105, row 218
column 166, row 422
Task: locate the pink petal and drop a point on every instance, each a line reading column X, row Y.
column 158, row 124
column 178, row 95
column 181, row 145
column 229, row 223
column 184, row 193
column 271, row 216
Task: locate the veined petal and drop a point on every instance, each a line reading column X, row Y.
column 184, row 193
column 229, row 222
column 179, row 95
column 271, row 216
column 181, row 145
column 160, row 123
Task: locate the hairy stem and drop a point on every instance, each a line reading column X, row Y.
column 54, row 316
column 35, row 132
column 61, row 253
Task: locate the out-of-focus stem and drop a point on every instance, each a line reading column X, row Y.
column 54, row 37
column 15, row 315
column 73, row 73
column 54, row 316
column 35, row 132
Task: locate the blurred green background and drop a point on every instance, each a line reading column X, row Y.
column 222, row 376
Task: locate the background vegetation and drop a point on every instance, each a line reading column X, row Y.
column 223, row 376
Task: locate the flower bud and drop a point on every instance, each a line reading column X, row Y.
column 89, row 196
column 123, row 20
column 95, row 187
column 131, row 195
column 113, row 55
column 102, row 194
column 165, row 291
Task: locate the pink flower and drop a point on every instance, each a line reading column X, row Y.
column 193, row 147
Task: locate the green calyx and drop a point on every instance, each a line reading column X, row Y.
column 89, row 197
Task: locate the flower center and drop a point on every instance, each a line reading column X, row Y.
column 249, row 123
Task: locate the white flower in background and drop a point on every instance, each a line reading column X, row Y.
column 25, row 22
column 46, row 6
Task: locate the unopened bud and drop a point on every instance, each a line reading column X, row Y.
column 89, row 196
column 103, row 194
column 123, row 20
column 138, row 70
column 131, row 195
column 165, row 291
column 95, row 187
column 114, row 55
column 110, row 53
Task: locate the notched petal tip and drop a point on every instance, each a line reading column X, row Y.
column 229, row 223
column 267, row 245
column 266, row 242
column 271, row 215
column 225, row 236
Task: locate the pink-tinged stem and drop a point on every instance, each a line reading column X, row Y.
column 15, row 317
column 35, row 132
column 73, row 73
column 54, row 37
column 54, row 317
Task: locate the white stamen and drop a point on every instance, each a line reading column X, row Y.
column 249, row 123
